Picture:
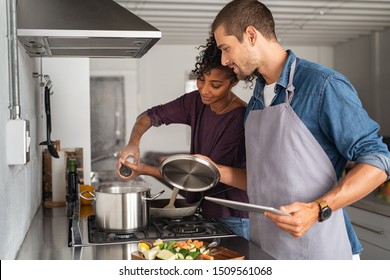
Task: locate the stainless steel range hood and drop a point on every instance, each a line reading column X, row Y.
column 82, row 28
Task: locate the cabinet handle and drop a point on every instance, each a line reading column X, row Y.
column 377, row 231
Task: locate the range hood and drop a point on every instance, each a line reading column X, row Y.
column 82, row 28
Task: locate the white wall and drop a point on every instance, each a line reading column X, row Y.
column 70, row 111
column 20, row 185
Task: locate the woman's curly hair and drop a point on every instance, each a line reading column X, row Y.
column 210, row 58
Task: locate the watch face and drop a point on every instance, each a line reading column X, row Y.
column 326, row 213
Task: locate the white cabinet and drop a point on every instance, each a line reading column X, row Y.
column 373, row 231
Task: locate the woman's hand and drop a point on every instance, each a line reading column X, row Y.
column 128, row 151
column 141, row 169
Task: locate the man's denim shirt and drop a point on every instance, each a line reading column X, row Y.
column 329, row 106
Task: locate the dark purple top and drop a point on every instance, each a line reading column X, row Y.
column 220, row 137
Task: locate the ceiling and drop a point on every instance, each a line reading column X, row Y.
column 298, row 22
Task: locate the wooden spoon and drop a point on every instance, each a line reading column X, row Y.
column 171, row 203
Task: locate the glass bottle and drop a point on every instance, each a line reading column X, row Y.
column 72, row 187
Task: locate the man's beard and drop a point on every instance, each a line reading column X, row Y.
column 247, row 78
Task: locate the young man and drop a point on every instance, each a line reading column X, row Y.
column 304, row 122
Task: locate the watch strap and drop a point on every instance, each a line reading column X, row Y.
column 321, row 203
column 325, row 210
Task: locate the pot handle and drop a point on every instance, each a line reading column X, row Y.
column 87, row 198
column 155, row 196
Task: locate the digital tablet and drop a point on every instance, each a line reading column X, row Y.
column 245, row 206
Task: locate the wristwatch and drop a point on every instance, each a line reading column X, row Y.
column 325, row 210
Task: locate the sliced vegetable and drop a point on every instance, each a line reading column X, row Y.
column 165, row 254
column 142, row 247
column 179, row 250
column 202, row 249
column 194, row 255
column 179, row 256
column 205, row 252
column 158, row 242
column 170, row 245
column 184, row 252
column 151, row 254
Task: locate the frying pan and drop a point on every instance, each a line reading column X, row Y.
column 183, row 209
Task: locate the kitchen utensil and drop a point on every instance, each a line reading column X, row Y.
column 50, row 144
column 124, row 170
column 183, row 208
column 245, row 206
column 189, row 173
column 171, row 203
column 215, row 243
column 122, row 207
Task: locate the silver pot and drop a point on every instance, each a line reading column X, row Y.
column 121, row 207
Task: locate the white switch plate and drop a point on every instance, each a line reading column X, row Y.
column 18, row 141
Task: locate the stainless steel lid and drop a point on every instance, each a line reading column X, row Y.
column 189, row 173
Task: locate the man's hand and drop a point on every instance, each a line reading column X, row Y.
column 303, row 216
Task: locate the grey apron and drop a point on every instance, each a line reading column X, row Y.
column 285, row 164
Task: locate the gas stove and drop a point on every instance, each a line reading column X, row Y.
column 83, row 231
column 193, row 227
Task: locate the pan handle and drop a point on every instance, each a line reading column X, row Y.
column 154, row 196
column 87, row 198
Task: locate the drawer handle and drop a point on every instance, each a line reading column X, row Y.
column 377, row 231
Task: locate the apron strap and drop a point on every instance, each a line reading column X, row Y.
column 290, row 87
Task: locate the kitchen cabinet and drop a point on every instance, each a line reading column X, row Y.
column 373, row 230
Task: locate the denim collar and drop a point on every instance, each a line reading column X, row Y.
column 283, row 79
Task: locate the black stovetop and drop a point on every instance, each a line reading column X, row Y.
column 163, row 228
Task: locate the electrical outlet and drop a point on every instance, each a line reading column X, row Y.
column 18, row 141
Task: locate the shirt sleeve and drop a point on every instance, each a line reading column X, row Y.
column 348, row 125
column 175, row 111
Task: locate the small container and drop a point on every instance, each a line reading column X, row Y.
column 126, row 171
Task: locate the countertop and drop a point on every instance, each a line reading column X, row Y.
column 47, row 239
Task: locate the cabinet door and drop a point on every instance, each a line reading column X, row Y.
column 373, row 231
column 372, row 252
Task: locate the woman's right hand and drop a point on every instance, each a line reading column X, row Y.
column 128, row 151
column 141, row 169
